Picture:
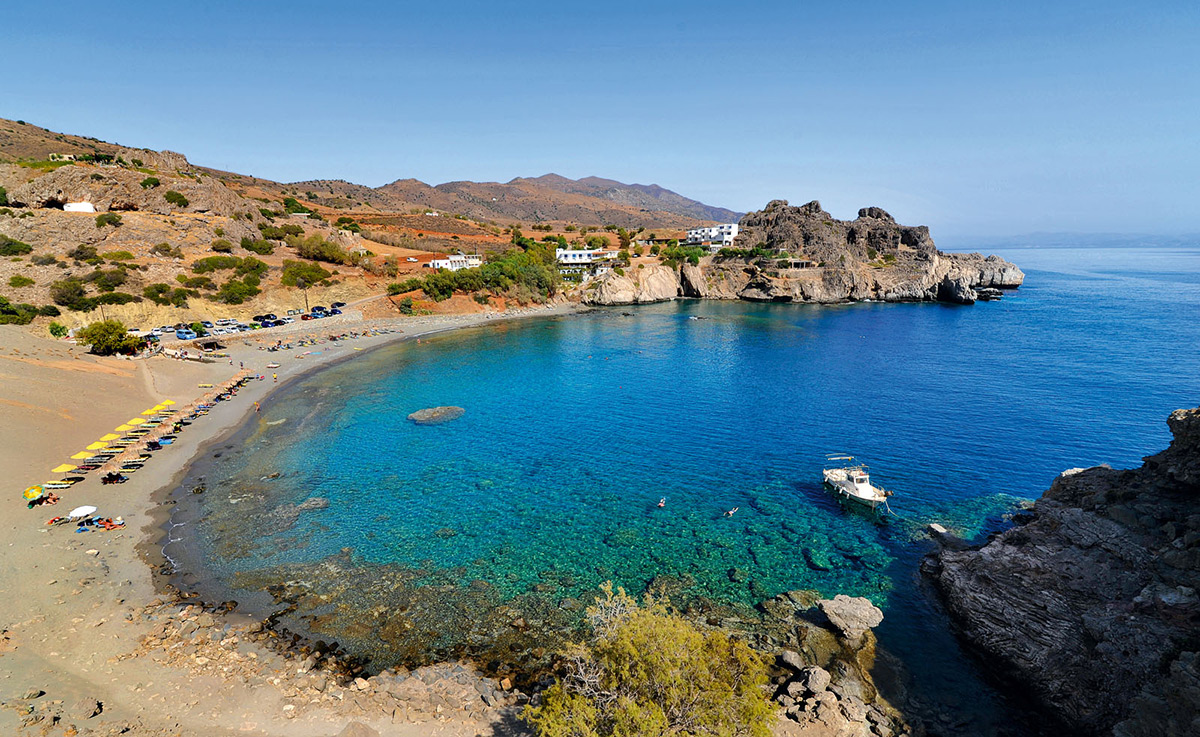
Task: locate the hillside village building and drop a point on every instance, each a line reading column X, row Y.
column 454, row 262
column 713, row 236
column 590, row 262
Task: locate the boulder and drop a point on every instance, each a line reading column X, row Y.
column 436, row 415
column 853, row 616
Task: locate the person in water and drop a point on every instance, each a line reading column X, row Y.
column 730, row 512
column 662, row 502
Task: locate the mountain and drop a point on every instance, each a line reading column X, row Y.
column 646, row 197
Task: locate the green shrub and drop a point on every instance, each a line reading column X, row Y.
column 196, row 282
column 198, row 329
column 175, row 198
column 72, row 294
column 247, row 265
column 291, row 205
column 219, row 232
column 118, row 256
column 296, row 271
column 13, row 247
column 16, row 314
column 262, row 248
column 108, row 218
column 150, row 182
column 17, row 281
column 618, row 271
column 650, row 672
column 222, row 246
column 58, row 330
column 235, row 292
column 49, row 311
column 107, row 337
column 44, row 259
column 318, row 249
column 165, row 249
column 164, row 294
column 872, row 254
column 406, row 306
column 407, row 285
column 3, row 196
column 281, row 232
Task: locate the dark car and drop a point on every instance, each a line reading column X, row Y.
column 259, row 319
column 270, row 316
column 318, row 308
column 335, row 311
column 336, row 305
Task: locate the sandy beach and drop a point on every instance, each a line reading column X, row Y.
column 92, row 644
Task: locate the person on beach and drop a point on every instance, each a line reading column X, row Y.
column 275, row 377
column 256, row 406
column 730, row 512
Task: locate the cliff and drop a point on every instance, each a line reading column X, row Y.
column 804, row 254
column 1090, row 606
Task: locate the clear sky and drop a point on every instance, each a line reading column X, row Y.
column 974, row 118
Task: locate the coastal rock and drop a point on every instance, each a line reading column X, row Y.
column 804, row 254
column 852, row 616
column 436, row 415
column 1090, row 605
column 636, row 286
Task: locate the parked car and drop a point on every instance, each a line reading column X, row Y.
column 287, row 320
column 317, row 308
column 226, row 322
column 185, row 334
column 207, row 324
column 411, row 259
column 336, row 305
column 270, row 316
column 258, row 319
column 335, row 311
column 306, row 317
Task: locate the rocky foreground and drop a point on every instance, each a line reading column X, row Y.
column 827, row 261
column 1090, row 607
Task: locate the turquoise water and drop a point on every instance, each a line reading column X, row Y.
column 436, row 537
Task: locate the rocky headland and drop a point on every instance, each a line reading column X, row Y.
column 803, row 254
column 1089, row 606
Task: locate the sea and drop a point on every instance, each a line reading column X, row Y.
column 487, row 537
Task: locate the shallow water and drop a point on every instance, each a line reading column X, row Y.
column 436, row 538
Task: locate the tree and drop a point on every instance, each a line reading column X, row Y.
column 108, row 218
column 107, row 337
column 650, row 672
column 57, row 329
column 150, row 182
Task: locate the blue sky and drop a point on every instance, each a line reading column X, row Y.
column 976, row 120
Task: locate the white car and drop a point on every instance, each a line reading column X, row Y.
column 412, row 260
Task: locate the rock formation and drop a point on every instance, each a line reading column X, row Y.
column 635, row 286
column 436, row 415
column 1090, row 606
column 803, row 254
column 115, row 188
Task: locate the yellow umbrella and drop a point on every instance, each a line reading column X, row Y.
column 168, row 402
column 109, row 436
column 122, row 428
column 34, row 492
column 81, row 455
column 135, row 421
column 63, row 468
column 150, row 411
column 96, row 446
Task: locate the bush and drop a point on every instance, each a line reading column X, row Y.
column 222, row 246
column 291, row 205
column 618, row 271
column 175, row 198
column 107, row 337
column 262, row 248
column 872, row 254
column 85, row 253
column 280, row 232
column 72, row 294
column 407, row 285
column 164, row 294
column 3, row 196
column 118, row 256
column 108, row 218
column 198, row 329
column 295, row 271
column 44, row 259
column 49, row 311
column 13, row 247
column 17, row 281
column 235, row 292
column 16, row 314
column 406, row 306
column 106, row 280
column 650, row 672
column 318, row 249
column 58, row 330
column 243, row 266
column 196, row 282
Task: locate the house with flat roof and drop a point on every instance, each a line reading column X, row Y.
column 455, row 262
column 585, row 262
column 713, row 236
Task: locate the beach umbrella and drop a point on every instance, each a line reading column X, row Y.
column 96, row 446
column 135, row 421
column 34, row 492
column 62, row 468
column 81, row 455
column 122, row 428
column 149, row 411
column 168, row 402
column 82, row 511
column 109, row 436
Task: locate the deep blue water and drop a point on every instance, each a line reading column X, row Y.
column 576, row 427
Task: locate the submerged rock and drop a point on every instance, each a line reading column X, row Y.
column 436, row 415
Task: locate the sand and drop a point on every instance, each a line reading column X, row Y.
column 74, row 613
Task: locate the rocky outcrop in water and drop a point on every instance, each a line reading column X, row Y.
column 436, row 415
column 1090, row 606
column 804, row 254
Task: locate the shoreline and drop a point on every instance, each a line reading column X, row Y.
column 119, row 602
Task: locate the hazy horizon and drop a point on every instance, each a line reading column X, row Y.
column 1081, row 117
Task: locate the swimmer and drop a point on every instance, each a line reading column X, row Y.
column 730, row 512
column 662, row 502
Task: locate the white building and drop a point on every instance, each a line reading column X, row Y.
column 717, row 236
column 595, row 261
column 79, row 207
column 456, row 262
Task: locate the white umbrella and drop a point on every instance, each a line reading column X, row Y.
column 82, row 511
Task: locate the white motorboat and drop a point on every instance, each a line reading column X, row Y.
column 852, row 482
